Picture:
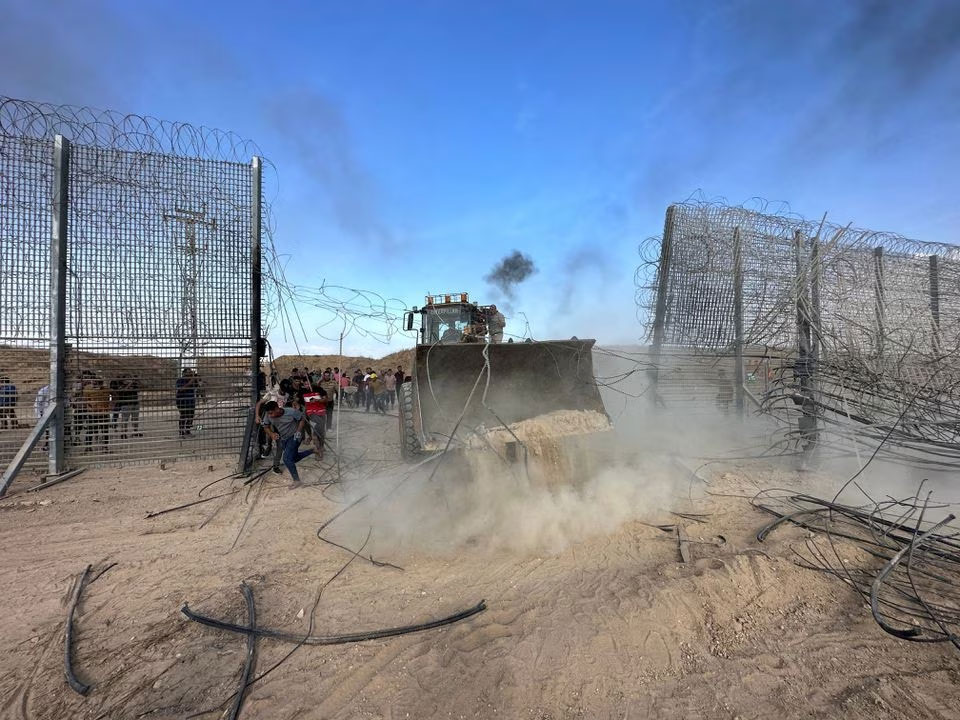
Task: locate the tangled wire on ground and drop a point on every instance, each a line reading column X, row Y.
column 906, row 566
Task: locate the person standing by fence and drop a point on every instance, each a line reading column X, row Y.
column 344, row 383
column 186, row 398
column 358, row 384
column 398, row 376
column 8, row 404
column 79, row 407
column 96, row 400
column 40, row 406
column 126, row 405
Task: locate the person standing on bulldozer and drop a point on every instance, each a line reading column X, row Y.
column 495, row 325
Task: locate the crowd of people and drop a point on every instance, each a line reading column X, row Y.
column 302, row 406
column 96, row 408
column 99, row 411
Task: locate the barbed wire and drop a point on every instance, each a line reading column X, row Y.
column 157, row 158
column 113, row 130
column 346, row 311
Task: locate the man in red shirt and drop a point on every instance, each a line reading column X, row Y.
column 315, row 405
column 331, row 387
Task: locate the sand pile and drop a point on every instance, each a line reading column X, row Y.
column 554, row 447
column 535, row 431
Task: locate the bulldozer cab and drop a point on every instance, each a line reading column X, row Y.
column 459, row 379
column 445, row 319
column 445, row 324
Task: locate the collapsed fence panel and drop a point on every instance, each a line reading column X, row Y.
column 158, row 292
column 865, row 325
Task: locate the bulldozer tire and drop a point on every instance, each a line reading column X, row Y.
column 409, row 444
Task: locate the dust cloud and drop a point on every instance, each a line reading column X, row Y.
column 497, row 509
column 576, row 486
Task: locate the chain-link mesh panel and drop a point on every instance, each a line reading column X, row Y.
column 874, row 288
column 158, row 286
column 158, row 318
column 700, row 285
column 25, row 185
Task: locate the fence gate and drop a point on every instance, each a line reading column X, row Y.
column 130, row 292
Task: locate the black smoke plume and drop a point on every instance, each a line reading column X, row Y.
column 511, row 270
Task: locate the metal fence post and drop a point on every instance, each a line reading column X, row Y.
column 58, row 300
column 660, row 310
column 935, row 303
column 738, row 319
column 803, row 304
column 879, row 299
column 256, row 173
column 256, row 228
column 816, row 277
column 663, row 282
column 803, row 369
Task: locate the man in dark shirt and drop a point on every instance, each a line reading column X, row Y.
column 125, row 391
column 399, row 376
column 285, row 426
column 8, row 403
column 359, row 395
column 186, row 397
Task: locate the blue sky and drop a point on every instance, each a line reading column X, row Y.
column 417, row 143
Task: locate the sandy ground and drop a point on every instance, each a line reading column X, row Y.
column 611, row 626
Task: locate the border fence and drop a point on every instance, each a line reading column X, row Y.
column 130, row 296
column 849, row 335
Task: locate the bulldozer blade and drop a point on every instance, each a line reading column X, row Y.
column 524, row 380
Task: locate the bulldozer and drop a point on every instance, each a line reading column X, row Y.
column 464, row 385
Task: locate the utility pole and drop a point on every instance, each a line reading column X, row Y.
column 189, row 273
